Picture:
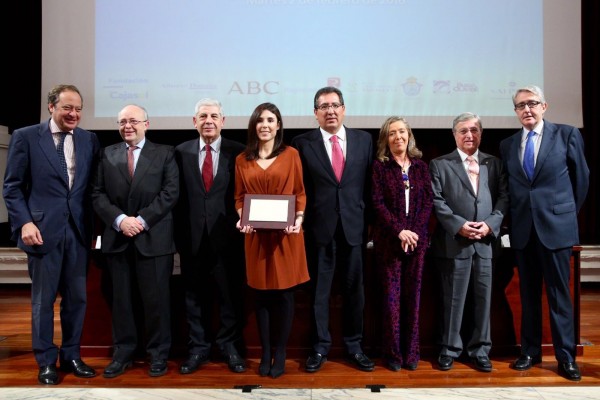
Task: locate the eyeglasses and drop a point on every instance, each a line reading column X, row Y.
column 132, row 122
column 326, row 107
column 474, row 131
column 530, row 104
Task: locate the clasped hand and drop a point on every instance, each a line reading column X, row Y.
column 409, row 240
column 474, row 230
column 130, row 226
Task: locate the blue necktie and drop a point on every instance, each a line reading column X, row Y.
column 529, row 156
column 60, row 149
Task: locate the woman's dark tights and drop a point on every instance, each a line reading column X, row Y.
column 274, row 309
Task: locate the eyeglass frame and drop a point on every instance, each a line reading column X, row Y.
column 531, row 104
column 132, row 122
column 325, row 107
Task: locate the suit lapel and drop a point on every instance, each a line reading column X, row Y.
column 143, row 163
column 458, row 167
column 483, row 170
column 191, row 162
column 352, row 149
column 49, row 149
column 81, row 157
column 548, row 138
column 224, row 160
column 318, row 148
column 117, row 155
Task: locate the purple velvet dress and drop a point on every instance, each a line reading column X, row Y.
column 400, row 273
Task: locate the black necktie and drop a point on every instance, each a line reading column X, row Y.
column 60, row 149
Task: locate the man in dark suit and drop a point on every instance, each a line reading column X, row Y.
column 46, row 190
column 470, row 200
column 336, row 161
column 135, row 190
column 209, row 244
column 548, row 180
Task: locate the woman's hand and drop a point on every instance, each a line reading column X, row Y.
column 296, row 227
column 409, row 240
column 245, row 228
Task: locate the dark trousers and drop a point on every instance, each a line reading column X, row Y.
column 208, row 276
column 134, row 275
column 538, row 264
column 338, row 256
column 458, row 276
column 61, row 271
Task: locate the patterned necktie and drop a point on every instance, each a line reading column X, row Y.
column 207, row 169
column 60, row 149
column 473, row 173
column 529, row 156
column 130, row 160
column 337, row 158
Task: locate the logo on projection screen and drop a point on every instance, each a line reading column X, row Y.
column 411, row 87
column 335, row 82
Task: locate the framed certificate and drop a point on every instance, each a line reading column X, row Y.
column 265, row 211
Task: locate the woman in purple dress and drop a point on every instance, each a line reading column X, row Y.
column 402, row 201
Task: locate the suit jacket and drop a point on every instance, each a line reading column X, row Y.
column 199, row 211
column 326, row 198
column 35, row 189
column 455, row 202
column 152, row 194
column 550, row 202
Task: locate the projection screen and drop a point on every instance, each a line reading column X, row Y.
column 427, row 60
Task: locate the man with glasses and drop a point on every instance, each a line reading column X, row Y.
column 134, row 191
column 548, row 180
column 46, row 184
column 470, row 200
column 336, row 161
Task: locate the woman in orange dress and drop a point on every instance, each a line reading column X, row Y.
column 275, row 259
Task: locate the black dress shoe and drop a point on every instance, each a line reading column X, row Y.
column 394, row 366
column 482, row 363
column 569, row 370
column 445, row 362
column 411, row 366
column 193, row 362
column 235, row 362
column 524, row 362
column 362, row 362
column 115, row 368
column 158, row 367
column 78, row 368
column 314, row 362
column 48, row 375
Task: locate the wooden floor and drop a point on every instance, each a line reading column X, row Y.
column 18, row 368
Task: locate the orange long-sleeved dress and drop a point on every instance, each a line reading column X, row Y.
column 274, row 260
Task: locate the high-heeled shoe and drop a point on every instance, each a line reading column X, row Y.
column 265, row 366
column 278, row 367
